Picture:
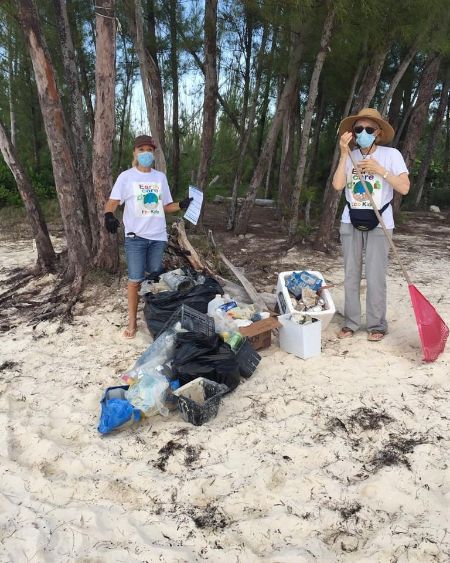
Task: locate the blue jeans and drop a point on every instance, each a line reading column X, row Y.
column 143, row 256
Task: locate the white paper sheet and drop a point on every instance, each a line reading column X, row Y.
column 193, row 211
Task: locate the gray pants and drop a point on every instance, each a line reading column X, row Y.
column 376, row 247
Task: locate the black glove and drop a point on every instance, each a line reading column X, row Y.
column 111, row 223
column 184, row 204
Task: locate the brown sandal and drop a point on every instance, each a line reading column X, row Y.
column 375, row 335
column 345, row 332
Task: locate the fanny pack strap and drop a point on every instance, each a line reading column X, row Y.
column 382, row 210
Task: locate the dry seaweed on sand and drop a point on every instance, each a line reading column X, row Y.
column 165, row 452
column 394, row 452
column 210, row 517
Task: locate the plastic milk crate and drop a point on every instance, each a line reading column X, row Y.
column 285, row 304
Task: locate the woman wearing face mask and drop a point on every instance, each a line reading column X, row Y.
column 147, row 198
column 384, row 171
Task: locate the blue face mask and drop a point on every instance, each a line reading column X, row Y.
column 364, row 139
column 145, row 159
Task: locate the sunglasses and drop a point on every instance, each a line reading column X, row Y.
column 359, row 129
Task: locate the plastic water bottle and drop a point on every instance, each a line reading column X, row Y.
column 213, row 305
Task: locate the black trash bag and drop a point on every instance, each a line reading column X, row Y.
column 159, row 307
column 198, row 355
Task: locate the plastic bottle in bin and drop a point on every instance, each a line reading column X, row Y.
column 298, row 280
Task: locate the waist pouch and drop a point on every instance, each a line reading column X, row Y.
column 365, row 219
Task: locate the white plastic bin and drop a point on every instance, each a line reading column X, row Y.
column 285, row 305
column 303, row 341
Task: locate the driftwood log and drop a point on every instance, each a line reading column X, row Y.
column 258, row 202
column 182, row 253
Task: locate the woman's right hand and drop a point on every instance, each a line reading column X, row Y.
column 344, row 142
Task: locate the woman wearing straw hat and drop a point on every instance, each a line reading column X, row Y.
column 384, row 171
column 147, row 198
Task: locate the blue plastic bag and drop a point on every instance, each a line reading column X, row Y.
column 116, row 409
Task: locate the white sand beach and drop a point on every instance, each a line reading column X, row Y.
column 342, row 457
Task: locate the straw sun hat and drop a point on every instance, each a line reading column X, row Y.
column 387, row 132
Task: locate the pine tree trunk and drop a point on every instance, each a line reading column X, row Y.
column 151, row 83
column 306, row 129
column 446, row 164
column 64, row 171
column 155, row 79
column 126, row 95
column 437, row 126
column 395, row 108
column 85, row 89
column 11, row 74
column 285, row 183
column 286, row 100
column 77, row 121
column 175, row 96
column 396, row 80
column 419, row 116
column 105, row 80
column 209, row 100
column 363, row 98
column 245, row 137
column 46, row 254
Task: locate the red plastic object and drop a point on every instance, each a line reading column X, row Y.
column 433, row 331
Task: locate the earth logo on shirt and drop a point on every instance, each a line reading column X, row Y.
column 359, row 193
column 151, row 201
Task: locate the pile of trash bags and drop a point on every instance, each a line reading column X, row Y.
column 188, row 366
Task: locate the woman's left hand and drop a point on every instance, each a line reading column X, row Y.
column 371, row 166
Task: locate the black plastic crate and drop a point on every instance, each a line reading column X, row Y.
column 202, row 400
column 247, row 359
column 191, row 320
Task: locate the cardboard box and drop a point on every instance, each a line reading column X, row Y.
column 259, row 334
column 303, row 341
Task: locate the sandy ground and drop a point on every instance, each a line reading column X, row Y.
column 343, row 457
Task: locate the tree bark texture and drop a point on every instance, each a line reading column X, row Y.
column 396, row 80
column 209, row 99
column 285, row 183
column 105, row 76
column 126, row 96
column 11, row 74
column 173, row 7
column 77, row 131
column 286, row 100
column 151, row 82
column 64, row 171
column 306, row 129
column 247, row 132
column 437, row 127
column 45, row 252
column 419, row 116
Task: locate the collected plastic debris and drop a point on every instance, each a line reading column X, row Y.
column 297, row 281
column 178, row 280
column 305, row 291
column 116, row 410
column 159, row 352
column 160, row 307
column 148, row 394
column 199, row 355
column 191, row 320
column 199, row 400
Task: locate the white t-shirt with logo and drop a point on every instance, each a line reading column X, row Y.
column 380, row 189
column 144, row 194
